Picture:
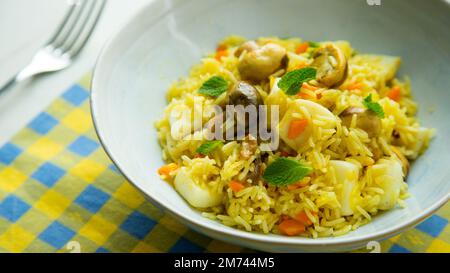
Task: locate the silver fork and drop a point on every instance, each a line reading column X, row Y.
column 66, row 43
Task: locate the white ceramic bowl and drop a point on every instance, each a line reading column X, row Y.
column 166, row 38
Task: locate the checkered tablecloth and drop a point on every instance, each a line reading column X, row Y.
column 59, row 192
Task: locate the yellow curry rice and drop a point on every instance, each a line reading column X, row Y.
column 351, row 178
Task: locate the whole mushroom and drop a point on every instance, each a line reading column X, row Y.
column 248, row 46
column 243, row 93
column 260, row 61
column 331, row 65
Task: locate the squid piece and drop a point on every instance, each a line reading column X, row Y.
column 347, row 174
column 198, row 195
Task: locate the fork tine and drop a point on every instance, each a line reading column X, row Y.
column 62, row 24
column 67, row 28
column 76, row 48
column 79, row 26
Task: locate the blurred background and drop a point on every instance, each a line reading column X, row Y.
column 25, row 25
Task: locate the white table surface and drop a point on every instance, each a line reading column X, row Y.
column 24, row 26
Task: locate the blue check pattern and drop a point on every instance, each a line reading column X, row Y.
column 57, row 186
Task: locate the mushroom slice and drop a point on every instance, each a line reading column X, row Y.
column 365, row 119
column 403, row 160
column 199, row 196
column 331, row 65
column 260, row 63
column 248, row 46
column 244, row 94
column 255, row 175
column 249, row 146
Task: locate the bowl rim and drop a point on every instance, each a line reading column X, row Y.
column 223, row 229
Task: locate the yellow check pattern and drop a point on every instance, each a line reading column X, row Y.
column 60, row 192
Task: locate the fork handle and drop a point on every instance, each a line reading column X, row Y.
column 26, row 72
column 41, row 62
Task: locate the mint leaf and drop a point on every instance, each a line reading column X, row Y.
column 373, row 106
column 292, row 81
column 285, row 171
column 313, row 44
column 208, row 147
column 214, row 87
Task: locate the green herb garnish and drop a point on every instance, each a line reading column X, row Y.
column 214, row 86
column 292, row 81
column 313, row 44
column 285, row 171
column 209, row 146
column 373, row 106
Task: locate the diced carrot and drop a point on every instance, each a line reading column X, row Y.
column 295, row 186
column 306, row 96
column 220, row 54
column 236, row 186
column 296, row 127
column 302, row 48
column 303, row 218
column 309, row 87
column 221, row 47
column 291, row 227
column 319, row 94
column 355, row 86
column 167, row 169
column 298, row 185
column 394, row 93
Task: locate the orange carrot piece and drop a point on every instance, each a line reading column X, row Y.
column 294, row 186
column 319, row 94
column 309, row 87
column 355, row 86
column 236, row 186
column 394, row 94
column 306, row 96
column 303, row 218
column 302, row 48
column 291, row 227
column 220, row 54
column 221, row 47
column 167, row 169
column 296, row 127
column 297, row 185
